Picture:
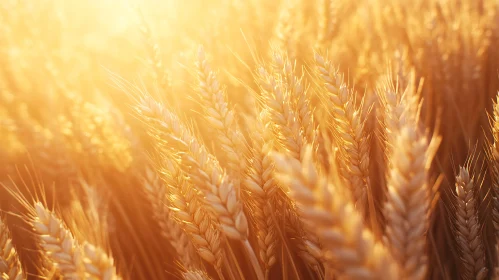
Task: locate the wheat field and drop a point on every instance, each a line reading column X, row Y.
column 249, row 139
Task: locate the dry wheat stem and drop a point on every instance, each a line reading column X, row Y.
column 468, row 229
column 57, row 243
column 348, row 248
column 351, row 138
column 9, row 260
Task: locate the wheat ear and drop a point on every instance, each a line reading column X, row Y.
column 204, row 172
column 299, row 94
column 98, row 264
column 279, row 113
column 9, row 260
column 262, row 187
column 193, row 218
column 408, row 203
column 203, row 169
column 195, row 275
column 156, row 192
column 398, row 109
column 352, row 140
column 348, row 249
column 58, row 243
column 220, row 116
column 278, row 101
column 493, row 156
column 468, row 228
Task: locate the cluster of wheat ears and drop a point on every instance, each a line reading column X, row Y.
column 233, row 139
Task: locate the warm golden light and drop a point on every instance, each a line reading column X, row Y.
column 230, row 139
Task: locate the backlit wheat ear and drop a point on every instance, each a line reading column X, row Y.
column 348, row 249
column 98, row 264
column 262, row 187
column 192, row 216
column 299, row 94
column 57, row 243
column 350, row 137
column 220, row 116
column 156, row 192
column 9, row 260
column 203, row 169
column 204, row 172
column 398, row 109
column 195, row 275
column 468, row 229
column 408, row 200
column 277, row 99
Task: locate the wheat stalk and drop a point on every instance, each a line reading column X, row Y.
column 9, row 260
column 468, row 228
column 348, row 248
